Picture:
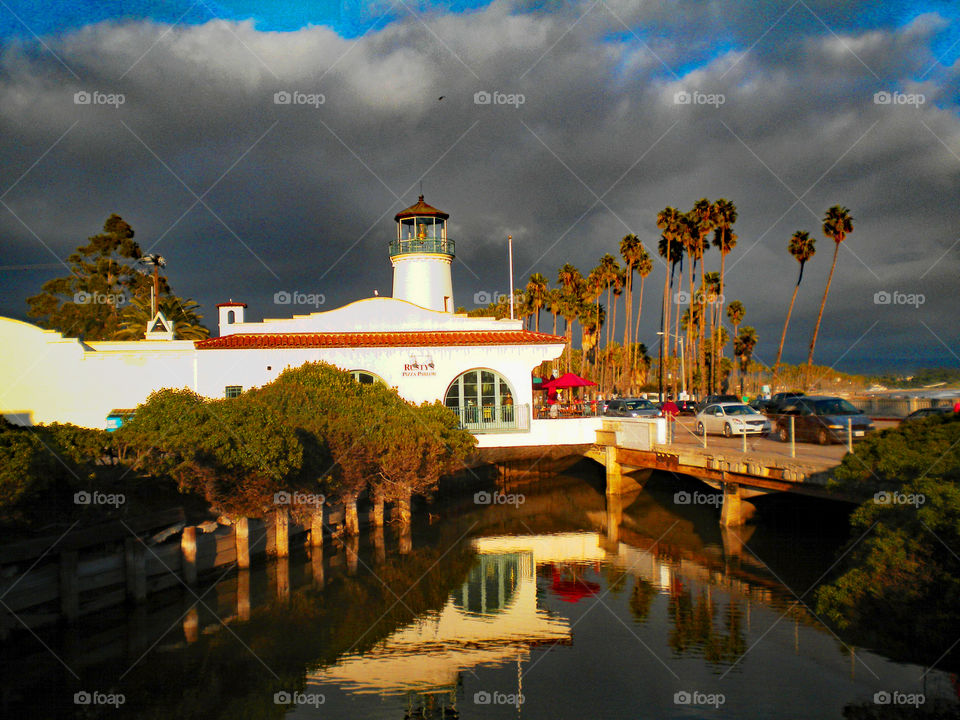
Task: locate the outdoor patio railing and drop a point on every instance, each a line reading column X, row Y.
column 494, row 418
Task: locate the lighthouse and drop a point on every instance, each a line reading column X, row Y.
column 421, row 256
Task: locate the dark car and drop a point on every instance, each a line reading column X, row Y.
column 776, row 403
column 714, row 399
column 685, row 407
column 927, row 413
column 822, row 419
column 632, row 407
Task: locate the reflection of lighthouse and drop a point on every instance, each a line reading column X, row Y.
column 421, row 256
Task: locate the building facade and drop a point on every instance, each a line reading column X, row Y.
column 481, row 367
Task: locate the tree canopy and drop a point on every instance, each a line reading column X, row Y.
column 108, row 292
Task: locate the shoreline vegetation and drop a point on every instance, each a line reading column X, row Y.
column 897, row 585
column 313, row 433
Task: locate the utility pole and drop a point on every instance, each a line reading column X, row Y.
column 510, row 245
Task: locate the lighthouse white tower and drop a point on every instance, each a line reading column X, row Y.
column 421, row 256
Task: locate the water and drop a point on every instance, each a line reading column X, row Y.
column 579, row 607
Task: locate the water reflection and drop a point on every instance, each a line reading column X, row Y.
column 585, row 607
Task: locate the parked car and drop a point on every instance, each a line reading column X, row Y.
column 759, row 404
column 714, row 399
column 687, row 407
column 928, row 412
column 730, row 418
column 776, row 403
column 632, row 407
column 822, row 419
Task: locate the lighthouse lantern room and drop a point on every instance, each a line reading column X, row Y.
column 421, row 256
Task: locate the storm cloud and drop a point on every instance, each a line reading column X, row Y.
column 259, row 161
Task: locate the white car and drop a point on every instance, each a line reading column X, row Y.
column 731, row 419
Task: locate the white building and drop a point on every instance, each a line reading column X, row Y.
column 412, row 341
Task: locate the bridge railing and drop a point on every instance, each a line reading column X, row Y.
column 896, row 407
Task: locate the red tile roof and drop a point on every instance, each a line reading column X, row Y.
column 259, row 341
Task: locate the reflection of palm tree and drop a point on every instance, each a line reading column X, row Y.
column 641, row 599
column 693, row 627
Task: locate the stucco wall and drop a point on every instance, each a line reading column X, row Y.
column 47, row 378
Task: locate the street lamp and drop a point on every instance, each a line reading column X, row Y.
column 157, row 261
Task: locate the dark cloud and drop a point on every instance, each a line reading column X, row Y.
column 301, row 197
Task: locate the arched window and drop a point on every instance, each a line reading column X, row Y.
column 231, row 317
column 483, row 398
column 365, row 377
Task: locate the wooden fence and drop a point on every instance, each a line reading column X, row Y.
column 84, row 571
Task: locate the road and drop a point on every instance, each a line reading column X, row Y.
column 767, row 445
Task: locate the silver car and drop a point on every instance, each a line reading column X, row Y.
column 731, row 419
column 632, row 407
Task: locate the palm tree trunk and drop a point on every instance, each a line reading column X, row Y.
column 627, row 317
column 636, row 330
column 666, row 337
column 823, row 304
column 783, row 336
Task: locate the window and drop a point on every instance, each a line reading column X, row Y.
column 232, row 391
column 365, row 377
column 481, row 396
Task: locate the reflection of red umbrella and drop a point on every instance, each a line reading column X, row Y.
column 569, row 380
column 571, row 591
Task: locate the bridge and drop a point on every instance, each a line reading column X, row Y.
column 741, row 468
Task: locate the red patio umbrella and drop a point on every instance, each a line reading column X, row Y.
column 568, row 380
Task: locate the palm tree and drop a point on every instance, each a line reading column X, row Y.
column 537, row 289
column 837, row 224
column 668, row 220
column 569, row 279
column 619, row 280
column 630, row 250
column 644, row 267
column 595, row 285
column 552, row 304
column 743, row 347
column 735, row 314
column 182, row 313
column 725, row 240
column 711, row 282
column 609, row 270
column 702, row 219
column 802, row 248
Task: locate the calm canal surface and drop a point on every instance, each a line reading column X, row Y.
column 559, row 606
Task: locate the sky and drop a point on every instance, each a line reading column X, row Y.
column 598, row 114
